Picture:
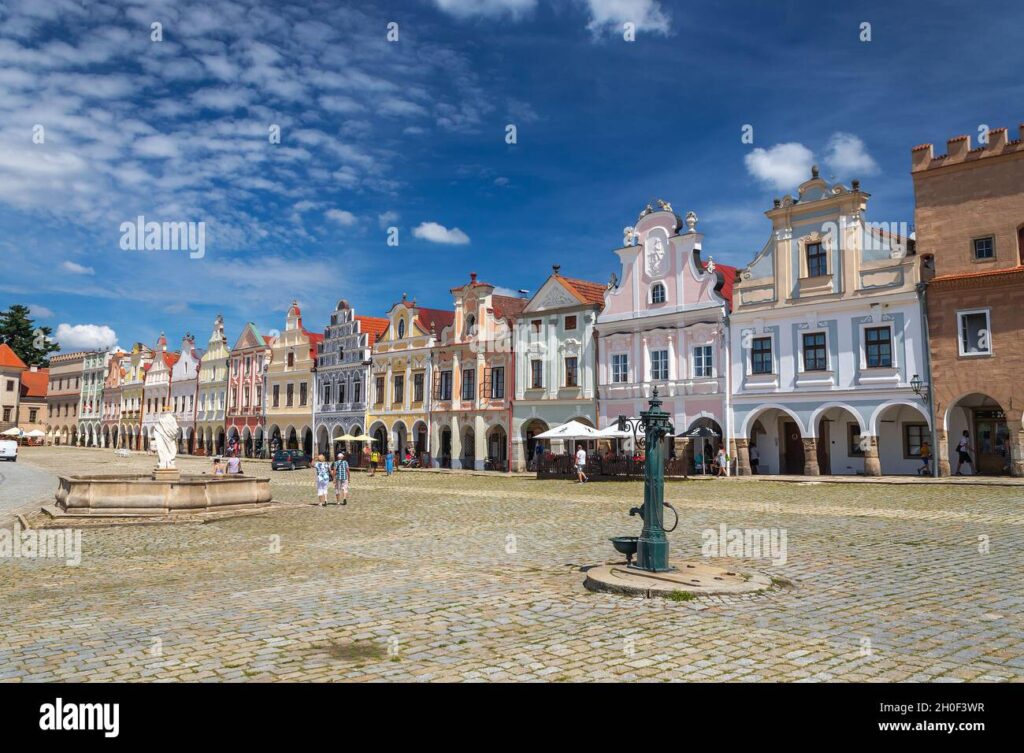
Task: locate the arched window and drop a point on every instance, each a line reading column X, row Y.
column 657, row 293
column 401, row 328
column 470, row 325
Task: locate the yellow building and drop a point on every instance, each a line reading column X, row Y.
column 289, row 393
column 398, row 406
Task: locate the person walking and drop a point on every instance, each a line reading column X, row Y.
column 374, row 459
column 339, row 470
column 323, row 479
column 755, row 459
column 389, row 462
column 538, row 453
column 963, row 452
column 581, row 463
column 926, row 459
column 721, row 463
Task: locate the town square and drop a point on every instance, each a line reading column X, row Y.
column 386, row 363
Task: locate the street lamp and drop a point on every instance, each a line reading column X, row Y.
column 918, row 387
column 652, row 546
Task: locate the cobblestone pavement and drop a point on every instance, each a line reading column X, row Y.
column 427, row 577
column 21, row 485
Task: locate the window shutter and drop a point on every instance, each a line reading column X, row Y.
column 435, row 386
column 485, row 383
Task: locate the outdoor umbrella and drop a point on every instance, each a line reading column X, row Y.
column 365, row 438
column 35, row 433
column 569, row 430
column 346, row 438
column 13, row 432
column 612, row 432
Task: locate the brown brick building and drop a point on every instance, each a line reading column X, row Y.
column 969, row 219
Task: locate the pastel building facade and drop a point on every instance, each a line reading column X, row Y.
column 664, row 326
column 90, row 404
column 156, row 393
column 33, row 402
column 11, row 368
column 473, row 380
column 212, row 391
column 244, row 417
column 184, row 385
column 827, row 337
column 555, row 364
column 398, row 414
column 290, row 384
column 63, row 398
column 136, row 364
column 342, row 376
column 110, row 422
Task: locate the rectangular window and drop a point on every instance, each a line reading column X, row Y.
column 984, row 248
column 570, row 322
column 7, row 414
column 417, row 387
column 535, row 323
column 975, row 333
column 913, row 436
column 289, row 395
column 399, row 389
column 878, row 347
column 468, row 383
column 659, row 365
column 817, row 260
column 327, row 394
column 341, row 392
column 702, row 366
column 856, row 445
column 303, row 393
column 620, row 368
column 571, row 375
column 33, row 413
column 380, row 391
column 761, row 356
column 10, row 385
column 536, row 374
column 814, row 352
column 444, row 390
column 498, row 383
column 356, row 391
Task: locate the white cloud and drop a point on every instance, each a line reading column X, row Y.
column 782, row 166
column 77, row 269
column 386, row 219
column 40, row 311
column 86, row 336
column 435, row 233
column 847, row 156
column 347, row 219
column 486, row 8
column 610, row 15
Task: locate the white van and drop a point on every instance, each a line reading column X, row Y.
column 8, row 450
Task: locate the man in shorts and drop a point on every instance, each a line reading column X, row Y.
column 339, row 470
column 963, row 452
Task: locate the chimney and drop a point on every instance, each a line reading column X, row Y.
column 921, row 157
column 997, row 140
column 957, row 148
column 472, row 278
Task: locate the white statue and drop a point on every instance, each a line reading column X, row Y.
column 166, row 435
column 691, row 222
column 654, row 247
column 627, row 236
column 665, row 206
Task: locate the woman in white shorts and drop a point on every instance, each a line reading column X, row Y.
column 323, row 479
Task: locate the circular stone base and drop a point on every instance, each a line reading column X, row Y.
column 689, row 579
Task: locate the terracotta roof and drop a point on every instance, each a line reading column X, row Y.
column 586, row 291
column 374, row 326
column 35, row 383
column 171, row 358
column 974, row 275
column 729, row 275
column 439, row 318
column 9, row 358
column 507, row 307
column 315, row 338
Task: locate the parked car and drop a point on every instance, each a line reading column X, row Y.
column 9, row 450
column 290, row 460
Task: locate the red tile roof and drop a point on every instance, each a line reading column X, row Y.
column 9, row 358
column 35, row 383
column 729, row 275
column 374, row 326
column 507, row 307
column 436, row 318
column 586, row 291
column 974, row 275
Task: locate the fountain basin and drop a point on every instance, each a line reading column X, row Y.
column 144, row 494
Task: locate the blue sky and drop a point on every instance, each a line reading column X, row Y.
column 412, row 134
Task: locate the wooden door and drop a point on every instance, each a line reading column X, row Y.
column 824, row 450
column 794, row 449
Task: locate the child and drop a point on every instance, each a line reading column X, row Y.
column 926, row 458
column 340, row 472
column 218, row 469
column 323, row 478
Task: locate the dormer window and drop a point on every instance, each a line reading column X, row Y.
column 470, row 325
column 658, row 293
column 817, row 260
column 401, row 328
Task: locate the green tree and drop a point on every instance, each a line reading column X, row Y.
column 32, row 344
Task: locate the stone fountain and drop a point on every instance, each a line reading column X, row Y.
column 164, row 492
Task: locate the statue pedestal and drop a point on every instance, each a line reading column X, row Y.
column 166, row 474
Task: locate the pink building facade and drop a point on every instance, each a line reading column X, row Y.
column 664, row 325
